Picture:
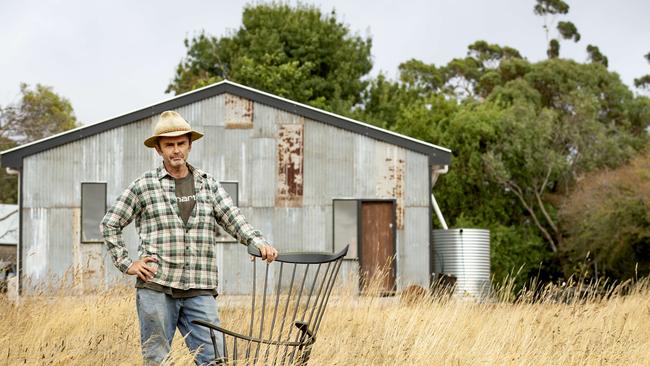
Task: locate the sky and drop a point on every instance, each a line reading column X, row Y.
column 113, row 57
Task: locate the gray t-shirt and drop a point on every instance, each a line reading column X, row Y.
column 185, row 196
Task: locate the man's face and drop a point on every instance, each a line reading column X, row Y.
column 174, row 150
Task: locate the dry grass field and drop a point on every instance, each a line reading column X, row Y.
column 102, row 329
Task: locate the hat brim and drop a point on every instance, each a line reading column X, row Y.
column 153, row 140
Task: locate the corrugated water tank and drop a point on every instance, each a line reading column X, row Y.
column 465, row 254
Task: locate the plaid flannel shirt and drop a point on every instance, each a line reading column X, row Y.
column 186, row 254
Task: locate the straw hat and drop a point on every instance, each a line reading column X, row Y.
column 171, row 124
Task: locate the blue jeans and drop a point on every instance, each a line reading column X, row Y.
column 159, row 316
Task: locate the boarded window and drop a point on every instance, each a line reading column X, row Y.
column 239, row 112
column 289, row 166
column 232, row 187
column 93, row 209
column 346, row 224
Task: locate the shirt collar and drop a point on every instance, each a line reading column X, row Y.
column 161, row 172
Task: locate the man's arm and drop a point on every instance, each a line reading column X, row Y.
column 232, row 220
column 123, row 211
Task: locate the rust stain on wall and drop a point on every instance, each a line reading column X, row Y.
column 289, row 166
column 239, row 112
column 394, row 186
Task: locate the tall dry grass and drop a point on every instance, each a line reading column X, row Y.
column 545, row 326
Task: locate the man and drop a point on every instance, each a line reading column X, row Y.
column 176, row 209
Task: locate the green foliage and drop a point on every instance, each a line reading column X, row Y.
column 295, row 52
column 40, row 113
column 553, row 50
column 553, row 7
column 643, row 82
column 596, row 56
column 486, row 52
column 607, row 223
column 421, row 77
column 568, row 30
column 518, row 252
column 383, row 102
column 565, row 29
column 521, row 134
column 466, row 190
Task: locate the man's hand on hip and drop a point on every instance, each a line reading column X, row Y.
column 268, row 252
column 142, row 270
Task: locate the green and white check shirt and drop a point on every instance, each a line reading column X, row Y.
column 186, row 254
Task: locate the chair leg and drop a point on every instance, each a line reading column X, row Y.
column 218, row 359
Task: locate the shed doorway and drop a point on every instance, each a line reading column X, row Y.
column 377, row 246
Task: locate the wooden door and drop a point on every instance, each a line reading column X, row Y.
column 377, row 246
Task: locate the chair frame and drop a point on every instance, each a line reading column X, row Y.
column 298, row 351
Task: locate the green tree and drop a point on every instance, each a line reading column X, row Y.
column 470, row 197
column 550, row 10
column 485, row 66
column 520, row 141
column 643, row 82
column 563, row 119
column 295, row 52
column 39, row 113
column 596, row 56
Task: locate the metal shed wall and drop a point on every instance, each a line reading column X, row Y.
column 337, row 163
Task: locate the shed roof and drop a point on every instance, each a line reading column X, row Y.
column 13, row 158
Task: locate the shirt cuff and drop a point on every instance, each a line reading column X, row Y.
column 125, row 265
column 259, row 242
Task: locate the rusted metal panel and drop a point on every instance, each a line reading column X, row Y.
column 239, row 112
column 289, row 155
column 392, row 166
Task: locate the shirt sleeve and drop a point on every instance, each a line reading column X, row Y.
column 123, row 211
column 231, row 219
